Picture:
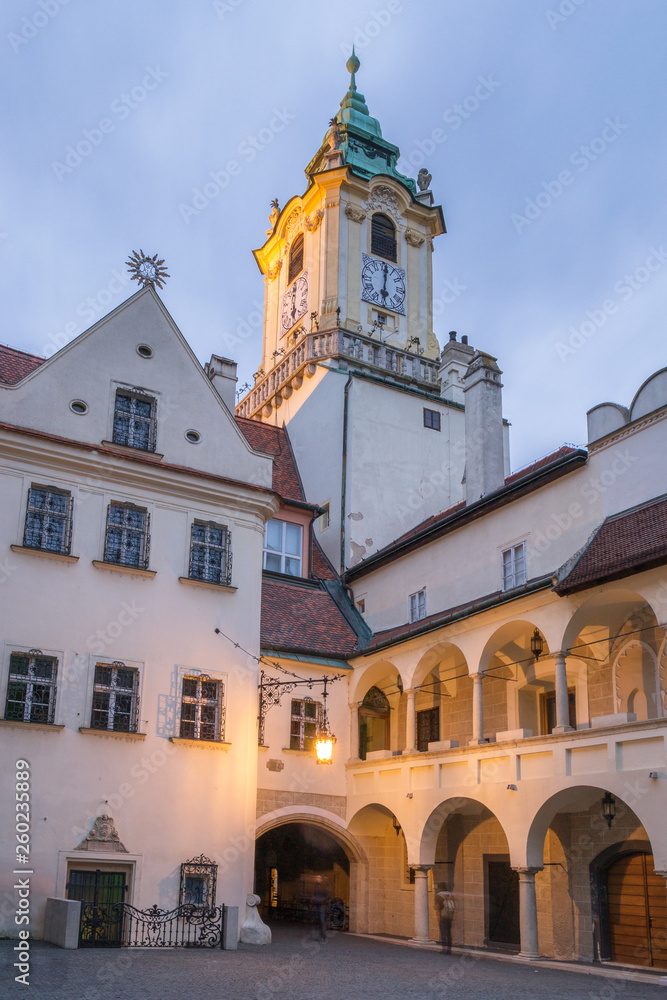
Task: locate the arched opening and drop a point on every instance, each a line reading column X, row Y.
column 295, row 259
column 442, row 684
column 383, row 236
column 295, row 860
column 469, row 850
column 629, row 906
column 374, row 716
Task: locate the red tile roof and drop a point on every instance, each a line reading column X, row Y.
column 541, row 463
column 274, row 441
column 15, row 365
column 320, row 565
column 625, row 543
column 304, row 620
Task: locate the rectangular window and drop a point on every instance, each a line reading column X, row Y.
column 428, row 727
column 127, row 537
column 325, row 518
column 115, row 698
column 548, row 711
column 134, row 420
column 202, row 713
column 211, row 553
column 304, row 723
column 31, row 689
column 432, row 419
column 417, row 604
column 514, row 566
column 283, row 543
column 48, row 523
column 361, row 605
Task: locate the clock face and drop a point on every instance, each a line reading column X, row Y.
column 382, row 284
column 295, row 302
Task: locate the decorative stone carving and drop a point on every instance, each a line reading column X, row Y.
column 274, row 270
column 102, row 837
column 275, row 765
column 254, row 930
column 275, row 212
column 293, row 224
column 334, row 134
column 383, row 199
column 414, row 238
column 355, row 213
column 311, row 222
column 424, row 179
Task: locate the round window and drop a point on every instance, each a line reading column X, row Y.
column 145, row 351
column 194, row 437
column 78, row 406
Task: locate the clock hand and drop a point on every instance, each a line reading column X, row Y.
column 383, row 290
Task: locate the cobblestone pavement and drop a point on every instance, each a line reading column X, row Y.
column 297, row 967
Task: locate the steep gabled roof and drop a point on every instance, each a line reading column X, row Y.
column 625, row 543
column 274, row 441
column 15, row 365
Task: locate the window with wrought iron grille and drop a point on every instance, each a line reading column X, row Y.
column 283, row 545
column 417, row 604
column 514, row 566
column 31, row 687
column 48, row 522
column 383, row 236
column 134, row 420
column 304, row 723
column 198, row 882
column 295, row 259
column 202, row 710
column 210, row 553
column 115, row 698
column 127, row 538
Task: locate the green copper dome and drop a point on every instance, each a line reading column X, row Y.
column 364, row 150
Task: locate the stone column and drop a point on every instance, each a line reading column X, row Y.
column 421, row 907
column 528, row 913
column 354, row 730
column 477, row 711
column 411, row 724
column 562, row 701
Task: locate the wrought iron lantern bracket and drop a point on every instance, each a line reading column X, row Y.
column 271, row 690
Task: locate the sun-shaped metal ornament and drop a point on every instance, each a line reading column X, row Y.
column 146, row 270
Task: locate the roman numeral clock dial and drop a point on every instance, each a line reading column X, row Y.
column 382, row 283
column 294, row 303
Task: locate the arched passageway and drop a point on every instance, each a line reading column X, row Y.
column 293, row 862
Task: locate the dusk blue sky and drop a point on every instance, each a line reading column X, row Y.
column 574, row 88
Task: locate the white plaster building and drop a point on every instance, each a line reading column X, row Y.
column 493, row 644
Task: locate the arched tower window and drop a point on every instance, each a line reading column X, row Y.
column 295, row 259
column 383, row 236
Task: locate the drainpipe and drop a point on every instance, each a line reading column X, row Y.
column 343, row 483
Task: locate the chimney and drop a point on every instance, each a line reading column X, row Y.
column 485, row 466
column 454, row 361
column 222, row 373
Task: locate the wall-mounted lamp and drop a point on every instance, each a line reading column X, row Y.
column 397, row 825
column 536, row 644
column 653, row 774
column 609, row 808
column 511, row 788
column 399, row 684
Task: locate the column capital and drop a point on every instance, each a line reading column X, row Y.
column 421, row 868
column 527, row 872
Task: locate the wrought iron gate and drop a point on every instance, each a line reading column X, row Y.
column 101, row 893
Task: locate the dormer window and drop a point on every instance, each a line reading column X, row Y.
column 295, row 259
column 383, row 236
column 283, row 546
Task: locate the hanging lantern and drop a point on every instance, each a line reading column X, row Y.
column 609, row 808
column 324, row 740
column 536, row 644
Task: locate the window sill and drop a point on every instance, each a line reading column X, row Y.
column 289, row 750
column 43, row 726
column 200, row 744
column 207, row 585
column 44, row 554
column 116, row 734
column 124, row 449
column 120, row 568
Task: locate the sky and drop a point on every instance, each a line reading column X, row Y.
column 541, row 121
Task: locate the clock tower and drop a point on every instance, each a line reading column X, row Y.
column 350, row 362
